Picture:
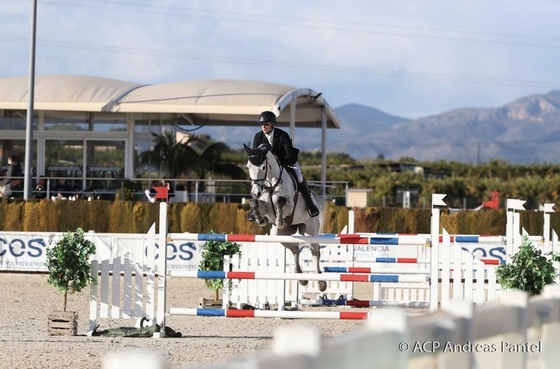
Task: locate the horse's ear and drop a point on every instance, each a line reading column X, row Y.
column 259, row 151
column 247, row 149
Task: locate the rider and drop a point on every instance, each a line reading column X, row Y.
column 281, row 146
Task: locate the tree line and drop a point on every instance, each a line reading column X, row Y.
column 466, row 185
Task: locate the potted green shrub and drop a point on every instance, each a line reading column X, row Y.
column 529, row 270
column 69, row 266
column 213, row 253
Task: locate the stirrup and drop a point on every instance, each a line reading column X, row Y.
column 313, row 211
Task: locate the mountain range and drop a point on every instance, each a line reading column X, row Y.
column 523, row 131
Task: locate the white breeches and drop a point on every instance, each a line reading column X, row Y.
column 296, row 169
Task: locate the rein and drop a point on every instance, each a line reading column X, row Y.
column 264, row 183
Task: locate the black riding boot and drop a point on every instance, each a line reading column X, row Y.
column 312, row 209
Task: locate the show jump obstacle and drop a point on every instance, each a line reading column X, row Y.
column 142, row 292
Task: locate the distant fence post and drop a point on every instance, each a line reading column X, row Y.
column 437, row 200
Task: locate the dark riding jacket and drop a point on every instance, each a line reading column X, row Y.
column 14, row 170
column 281, row 146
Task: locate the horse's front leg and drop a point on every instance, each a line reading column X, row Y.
column 280, row 203
column 316, row 253
column 295, row 249
column 254, row 206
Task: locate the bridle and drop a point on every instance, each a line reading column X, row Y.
column 264, row 183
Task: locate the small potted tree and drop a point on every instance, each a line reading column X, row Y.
column 529, row 270
column 69, row 268
column 213, row 253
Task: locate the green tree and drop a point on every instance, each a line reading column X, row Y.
column 536, row 183
column 529, row 270
column 195, row 155
column 213, row 156
column 213, row 253
column 69, row 265
column 171, row 157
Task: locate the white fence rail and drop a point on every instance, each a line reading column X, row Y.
column 514, row 332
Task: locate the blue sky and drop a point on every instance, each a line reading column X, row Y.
column 407, row 58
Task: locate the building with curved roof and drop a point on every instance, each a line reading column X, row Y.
column 91, row 127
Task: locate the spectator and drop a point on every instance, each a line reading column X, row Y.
column 165, row 183
column 16, row 187
column 11, row 182
column 62, row 189
column 40, row 190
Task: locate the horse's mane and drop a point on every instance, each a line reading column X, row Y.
column 264, row 147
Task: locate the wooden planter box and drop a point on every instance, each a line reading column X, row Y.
column 63, row 323
column 210, row 303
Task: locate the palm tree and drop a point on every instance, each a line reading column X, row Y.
column 175, row 158
column 172, row 158
column 213, row 156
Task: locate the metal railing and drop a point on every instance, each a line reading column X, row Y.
column 183, row 190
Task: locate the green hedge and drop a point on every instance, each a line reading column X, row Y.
column 137, row 217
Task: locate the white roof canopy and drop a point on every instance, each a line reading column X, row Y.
column 204, row 102
column 64, row 93
column 199, row 102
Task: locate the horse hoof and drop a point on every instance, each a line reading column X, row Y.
column 304, row 283
column 322, row 286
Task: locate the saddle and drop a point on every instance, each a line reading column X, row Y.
column 293, row 175
column 289, row 219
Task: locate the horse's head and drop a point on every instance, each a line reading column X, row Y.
column 257, row 156
column 258, row 168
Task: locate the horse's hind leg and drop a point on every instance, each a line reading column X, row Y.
column 316, row 252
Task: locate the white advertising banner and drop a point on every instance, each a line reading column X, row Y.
column 26, row 251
